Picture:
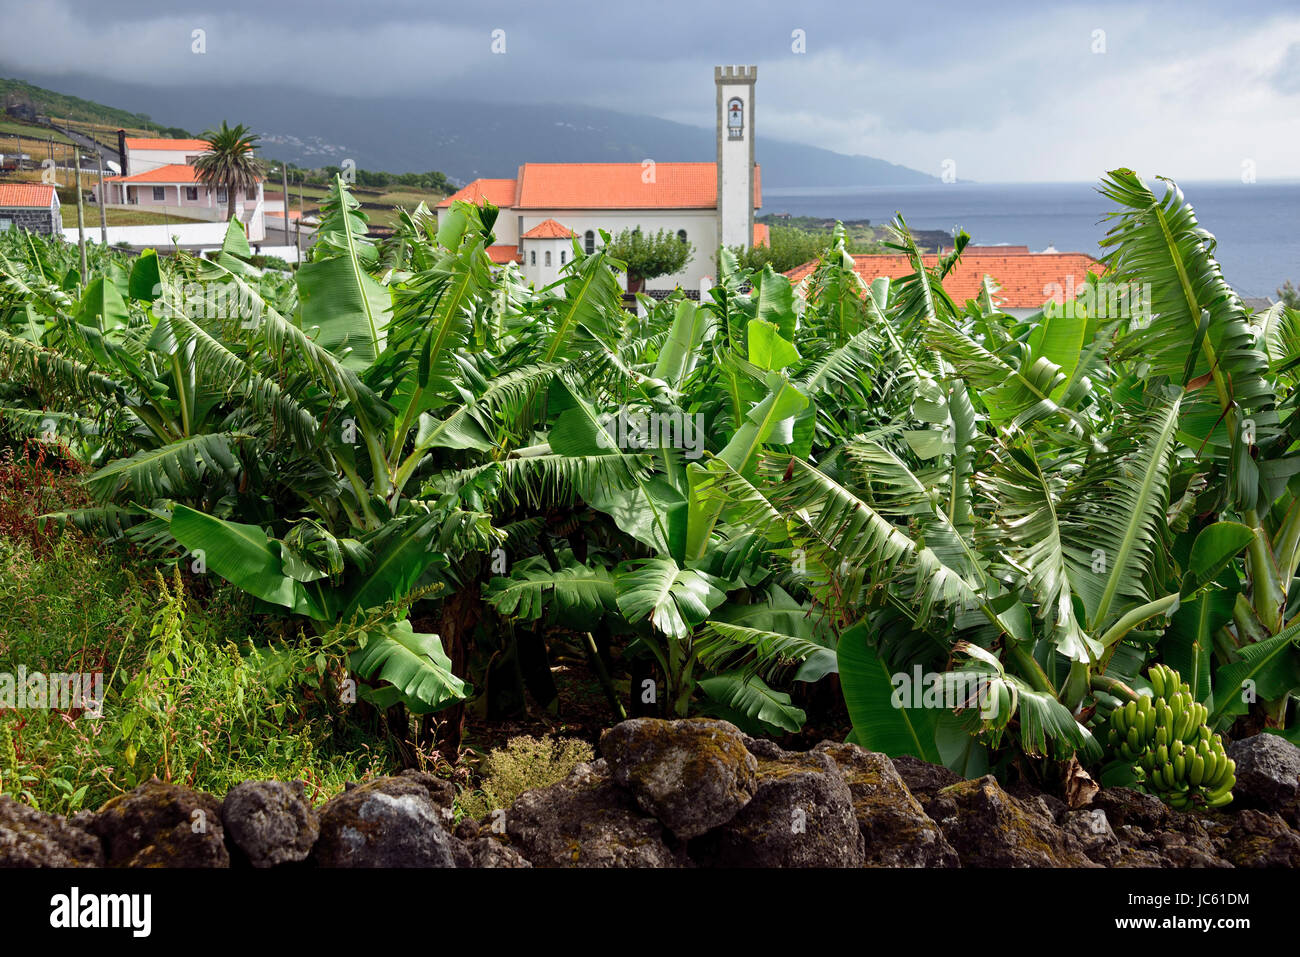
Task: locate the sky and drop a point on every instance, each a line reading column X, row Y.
column 1011, row 91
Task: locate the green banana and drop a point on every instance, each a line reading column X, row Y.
column 1173, row 752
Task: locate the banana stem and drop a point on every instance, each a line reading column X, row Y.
column 1076, row 685
column 602, row 675
column 1264, row 590
column 1113, row 687
column 1030, row 669
column 1136, row 617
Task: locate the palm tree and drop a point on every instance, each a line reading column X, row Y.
column 229, row 162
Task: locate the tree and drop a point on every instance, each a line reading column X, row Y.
column 791, row 246
column 229, row 162
column 649, row 257
column 1289, row 295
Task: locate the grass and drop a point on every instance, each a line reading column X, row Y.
column 33, row 133
column 118, row 217
column 196, row 689
column 379, row 205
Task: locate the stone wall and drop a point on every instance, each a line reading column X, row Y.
column 43, row 221
column 692, row 793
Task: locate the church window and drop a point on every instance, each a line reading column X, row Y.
column 735, row 119
column 532, row 258
column 561, row 257
column 589, row 241
column 681, row 234
column 548, row 257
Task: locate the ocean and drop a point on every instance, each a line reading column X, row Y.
column 1257, row 224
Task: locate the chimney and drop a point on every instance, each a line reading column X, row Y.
column 121, row 152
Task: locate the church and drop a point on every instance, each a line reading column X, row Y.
column 547, row 205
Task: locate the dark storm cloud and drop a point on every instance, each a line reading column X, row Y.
column 1003, row 89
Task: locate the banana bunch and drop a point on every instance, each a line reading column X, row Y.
column 1174, row 753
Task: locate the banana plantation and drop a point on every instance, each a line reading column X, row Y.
column 439, row 499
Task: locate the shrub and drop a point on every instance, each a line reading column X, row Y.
column 524, row 764
column 188, row 694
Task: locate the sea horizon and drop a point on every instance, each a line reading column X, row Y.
column 1254, row 223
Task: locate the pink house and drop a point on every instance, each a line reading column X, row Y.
column 159, row 175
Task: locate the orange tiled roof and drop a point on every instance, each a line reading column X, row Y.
column 150, row 143
column 27, row 195
column 1025, row 279
column 498, row 192
column 171, row 173
column 603, row 186
column 621, row 186
column 762, row 235
column 993, row 250
column 504, row 254
column 548, row 229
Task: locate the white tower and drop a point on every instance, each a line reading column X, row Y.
column 735, row 154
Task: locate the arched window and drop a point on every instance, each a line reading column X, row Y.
column 561, row 257
column 548, row 257
column 532, row 258
column 681, row 234
column 735, row 119
column 589, row 242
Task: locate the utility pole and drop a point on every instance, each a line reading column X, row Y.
column 302, row 211
column 81, row 221
column 103, row 213
column 284, row 188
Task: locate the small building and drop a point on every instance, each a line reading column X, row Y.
column 546, row 206
column 30, row 206
column 159, row 175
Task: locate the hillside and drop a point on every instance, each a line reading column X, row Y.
column 466, row 139
column 62, row 105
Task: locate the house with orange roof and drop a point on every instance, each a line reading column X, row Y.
column 1026, row 280
column 30, row 206
column 547, row 207
column 159, row 175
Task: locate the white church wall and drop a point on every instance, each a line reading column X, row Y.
column 544, row 258
column 700, row 225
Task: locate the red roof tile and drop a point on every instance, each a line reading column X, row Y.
column 621, row 186
column 603, row 186
column 548, row 229
column 27, row 195
column 498, row 192
column 148, row 143
column 171, row 173
column 1026, row 280
column 993, row 250
column 504, row 254
column 762, row 235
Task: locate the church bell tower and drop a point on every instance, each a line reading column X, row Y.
column 735, row 85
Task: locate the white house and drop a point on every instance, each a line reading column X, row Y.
column 546, row 205
column 159, row 176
